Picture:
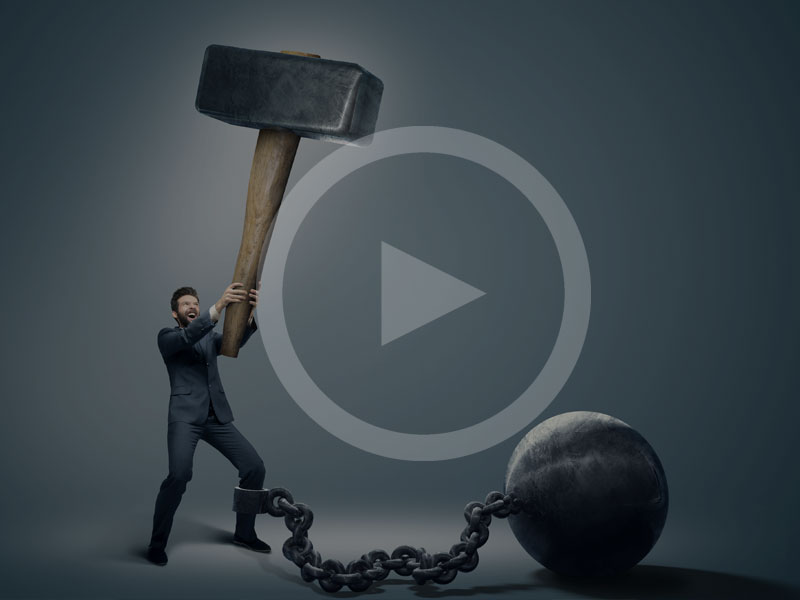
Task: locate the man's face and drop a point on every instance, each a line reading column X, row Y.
column 188, row 309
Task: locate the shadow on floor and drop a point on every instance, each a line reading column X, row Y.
column 136, row 536
column 648, row 581
column 641, row 583
column 188, row 531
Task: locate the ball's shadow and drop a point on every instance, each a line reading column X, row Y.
column 640, row 583
column 648, row 581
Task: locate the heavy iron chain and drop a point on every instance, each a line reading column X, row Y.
column 376, row 565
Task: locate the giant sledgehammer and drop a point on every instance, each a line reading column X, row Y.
column 286, row 96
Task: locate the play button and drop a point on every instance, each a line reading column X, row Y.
column 380, row 342
column 414, row 293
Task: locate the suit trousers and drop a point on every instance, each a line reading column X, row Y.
column 182, row 440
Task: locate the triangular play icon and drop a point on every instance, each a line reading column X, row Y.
column 413, row 293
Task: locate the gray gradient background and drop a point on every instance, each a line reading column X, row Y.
column 670, row 129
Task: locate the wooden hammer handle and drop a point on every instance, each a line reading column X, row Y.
column 272, row 162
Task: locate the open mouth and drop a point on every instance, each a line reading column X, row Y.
column 191, row 315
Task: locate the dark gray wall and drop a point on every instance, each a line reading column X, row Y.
column 670, row 129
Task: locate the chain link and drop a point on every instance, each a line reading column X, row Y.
column 376, row 565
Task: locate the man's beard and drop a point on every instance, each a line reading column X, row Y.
column 183, row 320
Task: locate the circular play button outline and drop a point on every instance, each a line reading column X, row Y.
column 574, row 321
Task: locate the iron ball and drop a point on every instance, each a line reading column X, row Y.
column 593, row 491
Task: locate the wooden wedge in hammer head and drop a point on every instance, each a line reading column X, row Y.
column 285, row 95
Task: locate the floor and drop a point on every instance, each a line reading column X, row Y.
column 106, row 561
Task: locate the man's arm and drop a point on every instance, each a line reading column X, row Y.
column 171, row 341
column 251, row 329
column 251, row 323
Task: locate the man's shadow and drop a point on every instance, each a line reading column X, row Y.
column 189, row 531
column 185, row 531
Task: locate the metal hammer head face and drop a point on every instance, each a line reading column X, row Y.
column 313, row 97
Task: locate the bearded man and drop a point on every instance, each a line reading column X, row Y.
column 199, row 410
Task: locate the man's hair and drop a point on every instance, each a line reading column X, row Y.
column 182, row 291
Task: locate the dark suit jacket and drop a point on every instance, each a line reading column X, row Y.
column 191, row 358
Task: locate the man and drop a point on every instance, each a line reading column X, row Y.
column 199, row 410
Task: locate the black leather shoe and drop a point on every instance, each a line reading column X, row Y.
column 156, row 556
column 255, row 545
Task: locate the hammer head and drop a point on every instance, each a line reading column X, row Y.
column 315, row 98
